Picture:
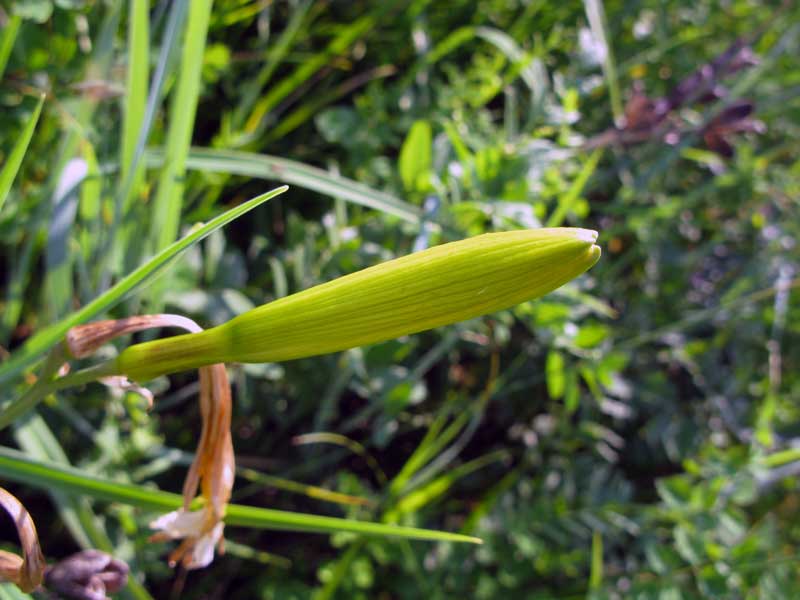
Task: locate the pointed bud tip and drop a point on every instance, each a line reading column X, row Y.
column 589, row 236
column 586, row 235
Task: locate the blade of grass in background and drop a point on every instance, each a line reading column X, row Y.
column 59, row 255
column 14, row 160
column 167, row 458
column 169, row 199
column 264, row 166
column 132, row 226
column 567, row 200
column 80, row 122
column 431, row 491
column 46, row 475
column 275, row 54
column 46, row 338
column 315, row 104
column 596, row 15
column 259, row 556
column 7, row 38
column 596, row 575
column 135, row 90
column 310, row 66
column 531, row 69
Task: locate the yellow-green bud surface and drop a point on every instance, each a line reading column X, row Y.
column 438, row 286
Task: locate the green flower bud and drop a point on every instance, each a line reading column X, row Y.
column 438, row 286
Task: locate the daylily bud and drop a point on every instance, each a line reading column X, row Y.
column 442, row 285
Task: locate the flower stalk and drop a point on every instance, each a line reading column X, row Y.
column 438, row 286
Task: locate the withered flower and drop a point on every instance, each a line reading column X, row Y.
column 213, row 467
column 213, row 470
column 736, row 118
column 87, row 575
column 648, row 119
column 704, row 85
column 24, row 571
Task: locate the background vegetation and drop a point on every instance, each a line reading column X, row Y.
column 635, row 434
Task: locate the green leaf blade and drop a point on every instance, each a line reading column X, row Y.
column 12, row 165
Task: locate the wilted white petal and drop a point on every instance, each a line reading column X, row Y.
column 180, row 523
column 203, row 551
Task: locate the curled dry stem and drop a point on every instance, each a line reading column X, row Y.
column 25, row 571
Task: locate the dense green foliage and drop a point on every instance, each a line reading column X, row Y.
column 634, row 434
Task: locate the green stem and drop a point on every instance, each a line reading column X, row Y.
column 46, row 386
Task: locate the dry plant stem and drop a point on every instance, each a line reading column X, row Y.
column 25, row 571
column 84, row 340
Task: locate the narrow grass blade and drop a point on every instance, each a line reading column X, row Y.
column 294, row 487
column 169, row 199
column 434, row 440
column 277, row 52
column 424, row 495
column 22, row 469
column 136, row 85
column 166, row 458
column 124, row 217
column 7, row 38
column 596, row 15
column 308, row 67
column 46, row 338
column 531, row 70
column 305, row 176
column 12, row 164
column 68, row 148
column 59, row 257
column 315, row 103
column 596, row 575
column 566, row 201
column 259, row 556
